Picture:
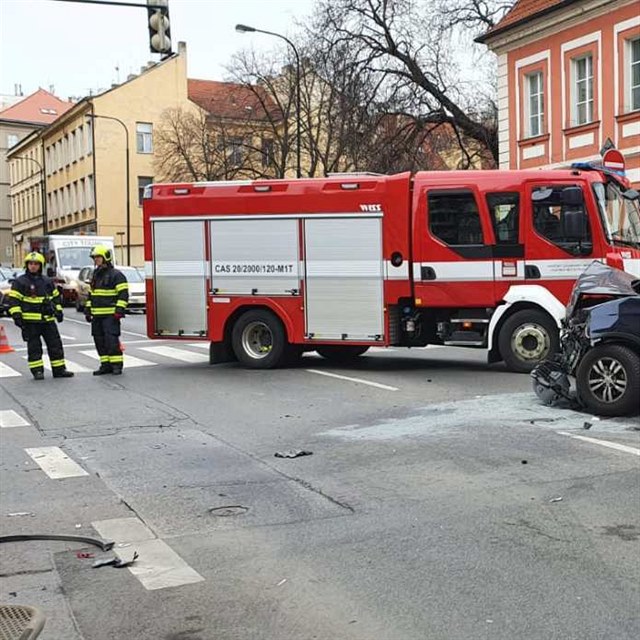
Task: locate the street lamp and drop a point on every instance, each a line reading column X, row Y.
column 93, row 116
column 42, row 192
column 243, row 28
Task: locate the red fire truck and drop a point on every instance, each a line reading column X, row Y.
column 267, row 269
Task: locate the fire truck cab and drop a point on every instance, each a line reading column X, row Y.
column 267, row 269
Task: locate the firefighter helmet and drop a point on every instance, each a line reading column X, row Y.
column 104, row 252
column 34, row 256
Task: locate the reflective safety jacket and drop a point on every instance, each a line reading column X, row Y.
column 109, row 292
column 35, row 298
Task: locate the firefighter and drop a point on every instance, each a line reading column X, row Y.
column 105, row 309
column 35, row 305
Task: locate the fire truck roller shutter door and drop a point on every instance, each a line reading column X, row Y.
column 180, row 270
column 344, row 279
column 255, row 257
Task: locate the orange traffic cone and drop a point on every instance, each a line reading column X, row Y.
column 5, row 347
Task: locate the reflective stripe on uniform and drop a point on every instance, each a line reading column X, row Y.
column 121, row 303
column 103, row 292
column 104, row 358
column 122, row 286
column 31, row 316
column 15, row 294
column 36, row 363
column 33, row 299
column 103, row 311
column 57, row 363
column 15, row 310
column 116, row 359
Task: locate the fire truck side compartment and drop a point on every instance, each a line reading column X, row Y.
column 179, row 274
column 344, row 276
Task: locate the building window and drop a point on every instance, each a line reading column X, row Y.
column 81, row 194
column 144, row 137
column 454, row 217
column 89, row 138
column 583, row 90
column 534, row 108
column 143, row 181
column 90, row 200
column 12, row 140
column 633, row 75
column 235, row 151
column 267, row 153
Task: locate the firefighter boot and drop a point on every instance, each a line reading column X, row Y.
column 116, row 369
column 38, row 375
column 103, row 370
column 63, row 374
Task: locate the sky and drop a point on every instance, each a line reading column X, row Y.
column 76, row 48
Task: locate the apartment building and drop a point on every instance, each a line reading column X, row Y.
column 568, row 82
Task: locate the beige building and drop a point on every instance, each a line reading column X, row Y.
column 84, row 153
column 20, row 116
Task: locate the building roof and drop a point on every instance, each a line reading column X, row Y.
column 40, row 107
column 521, row 12
column 232, row 100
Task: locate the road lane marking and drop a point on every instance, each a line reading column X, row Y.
column 9, row 418
column 55, row 463
column 177, row 354
column 158, row 565
column 84, row 322
column 131, row 362
column 603, row 443
column 378, row 385
column 66, row 337
column 199, row 345
column 7, row 372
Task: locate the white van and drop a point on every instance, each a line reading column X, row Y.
column 65, row 256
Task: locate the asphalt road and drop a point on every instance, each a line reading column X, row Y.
column 440, row 502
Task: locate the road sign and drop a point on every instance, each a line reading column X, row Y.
column 613, row 160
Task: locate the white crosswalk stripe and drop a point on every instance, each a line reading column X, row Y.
column 71, row 366
column 7, row 372
column 130, row 362
column 9, row 418
column 177, row 354
column 199, row 345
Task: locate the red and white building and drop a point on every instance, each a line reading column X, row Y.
column 568, row 81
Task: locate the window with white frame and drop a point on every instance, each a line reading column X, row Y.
column 632, row 81
column 89, row 137
column 12, row 140
column 90, row 199
column 81, row 195
column 144, row 137
column 534, row 108
column 582, row 90
column 79, row 142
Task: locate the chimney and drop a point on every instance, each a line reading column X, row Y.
column 131, row 76
column 182, row 48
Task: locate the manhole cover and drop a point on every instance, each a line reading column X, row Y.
column 228, row 511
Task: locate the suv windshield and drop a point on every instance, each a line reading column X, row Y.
column 621, row 216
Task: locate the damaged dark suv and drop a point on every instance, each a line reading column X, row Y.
column 599, row 346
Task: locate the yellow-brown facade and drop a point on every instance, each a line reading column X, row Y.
column 84, row 153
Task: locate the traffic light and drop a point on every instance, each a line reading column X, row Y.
column 159, row 27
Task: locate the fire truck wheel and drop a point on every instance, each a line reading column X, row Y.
column 259, row 340
column 607, row 380
column 527, row 338
column 339, row 353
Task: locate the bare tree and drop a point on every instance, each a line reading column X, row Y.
column 404, row 43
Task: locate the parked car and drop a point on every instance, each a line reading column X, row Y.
column 5, row 287
column 9, row 272
column 137, row 292
column 599, row 346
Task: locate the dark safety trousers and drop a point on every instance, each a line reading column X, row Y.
column 32, row 332
column 106, row 336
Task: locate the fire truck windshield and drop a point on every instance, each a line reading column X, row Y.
column 620, row 216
